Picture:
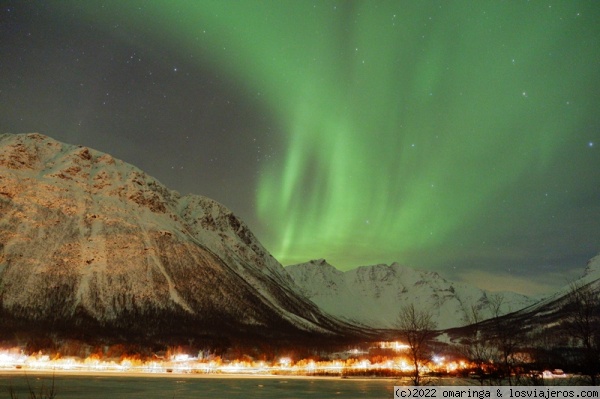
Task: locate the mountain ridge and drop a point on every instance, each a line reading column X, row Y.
column 372, row 295
column 87, row 238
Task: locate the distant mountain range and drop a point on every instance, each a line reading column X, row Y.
column 372, row 295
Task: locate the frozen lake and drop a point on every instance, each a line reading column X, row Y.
column 182, row 386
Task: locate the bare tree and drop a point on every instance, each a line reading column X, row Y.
column 416, row 328
column 475, row 346
column 506, row 336
column 492, row 342
column 583, row 325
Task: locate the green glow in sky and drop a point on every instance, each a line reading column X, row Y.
column 419, row 132
column 404, row 123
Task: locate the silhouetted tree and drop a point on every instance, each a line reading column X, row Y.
column 506, row 336
column 416, row 329
column 583, row 325
column 476, row 345
column 493, row 341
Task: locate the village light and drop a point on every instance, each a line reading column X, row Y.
column 398, row 346
column 183, row 363
column 439, row 360
column 285, row 361
column 8, row 359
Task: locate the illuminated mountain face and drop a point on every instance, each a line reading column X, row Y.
column 372, row 295
column 86, row 238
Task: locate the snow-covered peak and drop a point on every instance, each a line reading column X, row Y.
column 315, row 276
column 313, row 268
column 84, row 234
column 372, row 295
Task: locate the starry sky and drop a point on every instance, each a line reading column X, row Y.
column 460, row 137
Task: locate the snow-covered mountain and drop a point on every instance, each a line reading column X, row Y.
column 373, row 295
column 86, row 239
column 545, row 322
column 551, row 310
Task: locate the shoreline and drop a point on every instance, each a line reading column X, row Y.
column 178, row 375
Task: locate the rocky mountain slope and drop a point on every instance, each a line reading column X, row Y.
column 373, row 295
column 90, row 242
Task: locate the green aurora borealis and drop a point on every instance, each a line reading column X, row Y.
column 436, row 134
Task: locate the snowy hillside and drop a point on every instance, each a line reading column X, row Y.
column 592, row 269
column 373, row 295
column 551, row 307
column 86, row 238
column 545, row 320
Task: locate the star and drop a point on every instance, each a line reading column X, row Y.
column 304, row 187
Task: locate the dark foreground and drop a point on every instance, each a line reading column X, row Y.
column 180, row 387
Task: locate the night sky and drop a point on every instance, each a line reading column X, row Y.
column 461, row 137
